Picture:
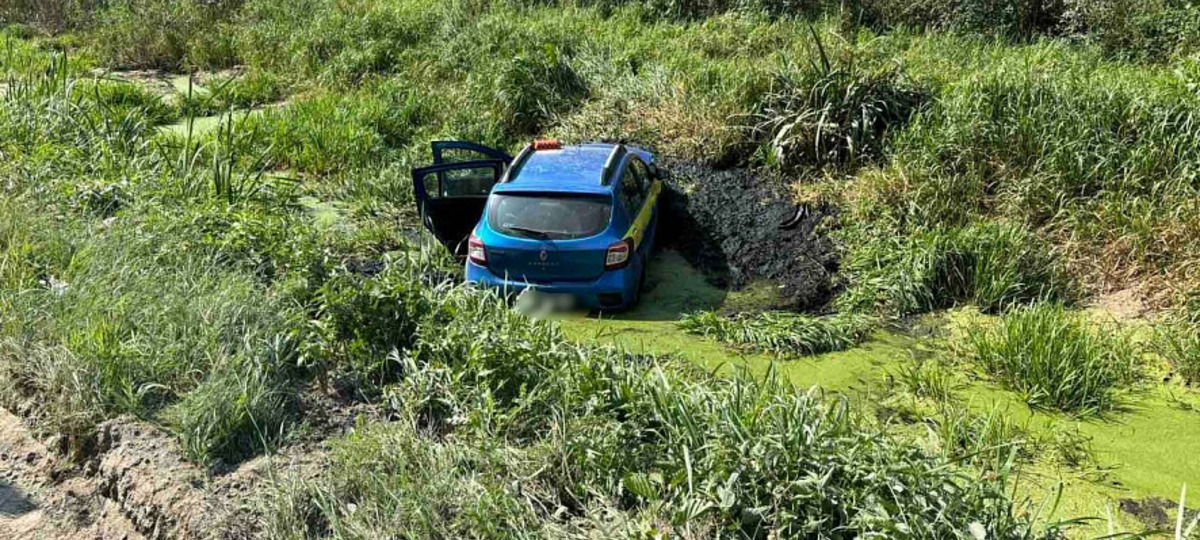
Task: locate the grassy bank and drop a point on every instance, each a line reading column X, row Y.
column 205, row 275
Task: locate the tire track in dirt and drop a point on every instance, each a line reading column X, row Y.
column 137, row 486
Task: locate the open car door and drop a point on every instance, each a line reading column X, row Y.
column 459, row 151
column 451, row 194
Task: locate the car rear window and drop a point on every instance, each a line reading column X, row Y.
column 549, row 216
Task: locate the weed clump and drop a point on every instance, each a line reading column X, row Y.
column 1057, row 360
column 834, row 114
column 241, row 408
column 787, row 334
column 1179, row 343
column 363, row 319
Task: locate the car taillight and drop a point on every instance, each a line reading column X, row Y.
column 618, row 255
column 475, row 250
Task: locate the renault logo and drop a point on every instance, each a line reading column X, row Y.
column 543, row 255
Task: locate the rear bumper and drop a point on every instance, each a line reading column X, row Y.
column 613, row 290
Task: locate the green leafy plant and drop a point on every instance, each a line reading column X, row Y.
column 1179, row 343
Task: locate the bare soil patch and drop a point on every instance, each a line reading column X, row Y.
column 1123, row 305
column 40, row 498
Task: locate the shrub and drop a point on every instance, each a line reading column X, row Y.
column 782, row 333
column 688, row 10
column 1145, row 30
column 52, row 15
column 1008, row 18
column 1057, row 360
column 363, row 319
column 164, row 34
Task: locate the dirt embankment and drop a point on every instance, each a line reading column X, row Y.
column 136, row 484
column 741, row 226
column 40, row 496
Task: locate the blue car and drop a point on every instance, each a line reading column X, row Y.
column 574, row 222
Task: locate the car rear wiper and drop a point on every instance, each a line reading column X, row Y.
column 531, row 232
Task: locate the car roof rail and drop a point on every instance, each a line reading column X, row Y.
column 618, row 152
column 517, row 162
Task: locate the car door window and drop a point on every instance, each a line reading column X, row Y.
column 464, row 183
column 468, row 179
column 642, row 172
column 632, row 189
column 460, row 151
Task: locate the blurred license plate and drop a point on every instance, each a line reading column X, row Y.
column 559, row 301
column 535, row 300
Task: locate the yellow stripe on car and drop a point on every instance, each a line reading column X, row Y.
column 638, row 229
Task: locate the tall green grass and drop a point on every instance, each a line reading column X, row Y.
column 242, row 408
column 996, row 266
column 1058, row 360
column 835, row 113
column 1093, row 154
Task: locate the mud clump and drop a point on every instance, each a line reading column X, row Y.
column 1154, row 512
column 740, row 226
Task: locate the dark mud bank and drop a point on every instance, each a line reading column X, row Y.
column 740, row 226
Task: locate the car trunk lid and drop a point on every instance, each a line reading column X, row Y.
column 546, row 261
